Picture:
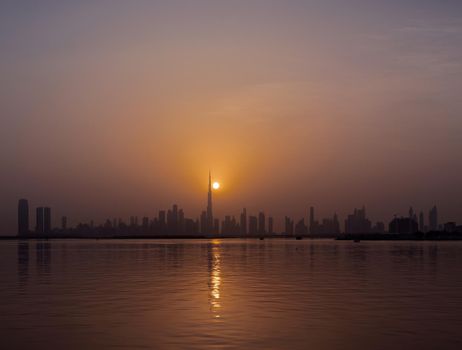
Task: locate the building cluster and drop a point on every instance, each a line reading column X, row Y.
column 42, row 218
column 412, row 224
column 174, row 223
column 328, row 226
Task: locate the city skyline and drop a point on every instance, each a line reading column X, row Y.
column 242, row 174
column 120, row 109
column 59, row 215
column 174, row 221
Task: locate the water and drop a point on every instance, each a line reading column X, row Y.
column 230, row 294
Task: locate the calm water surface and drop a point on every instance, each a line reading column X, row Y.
column 236, row 294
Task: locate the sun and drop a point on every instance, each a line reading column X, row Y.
column 216, row 185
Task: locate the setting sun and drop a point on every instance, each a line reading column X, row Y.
column 216, row 185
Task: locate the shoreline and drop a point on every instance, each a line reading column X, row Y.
column 441, row 236
column 154, row 237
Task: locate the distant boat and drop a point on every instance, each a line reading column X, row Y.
column 262, row 238
column 298, row 238
column 357, row 240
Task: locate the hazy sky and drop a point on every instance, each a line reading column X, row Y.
column 118, row 108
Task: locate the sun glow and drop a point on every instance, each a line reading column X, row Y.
column 216, row 185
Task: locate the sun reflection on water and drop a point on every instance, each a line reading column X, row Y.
column 215, row 278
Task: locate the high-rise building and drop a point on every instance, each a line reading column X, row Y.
column 379, row 227
column 175, row 219
column 300, row 227
column 450, row 227
column 289, row 226
column 243, row 222
column 313, row 225
column 403, row 225
column 311, row 220
column 358, row 222
column 216, row 226
column 270, row 225
column 229, row 226
column 433, row 219
column 253, row 225
column 412, row 214
column 39, row 218
column 210, row 221
column 162, row 221
column 190, row 227
column 336, row 224
column 169, row 221
column 328, row 226
column 421, row 222
column 225, row 225
column 145, row 224
column 23, row 217
column 64, row 223
column 203, row 222
column 261, row 223
column 47, row 220
column 181, row 221
column 108, row 225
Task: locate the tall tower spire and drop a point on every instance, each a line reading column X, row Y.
column 209, row 207
column 210, row 181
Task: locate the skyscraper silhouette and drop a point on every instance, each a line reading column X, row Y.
column 253, row 225
column 301, row 228
column 357, row 222
column 203, row 222
column 313, row 225
column 181, row 221
column 47, row 220
column 421, row 222
column 311, row 220
column 210, row 222
column 216, row 226
column 23, row 217
column 162, row 221
column 145, row 224
column 289, row 226
column 39, row 218
column 243, row 222
column 270, row 225
column 433, row 219
column 261, row 223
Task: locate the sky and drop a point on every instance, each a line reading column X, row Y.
column 117, row 108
